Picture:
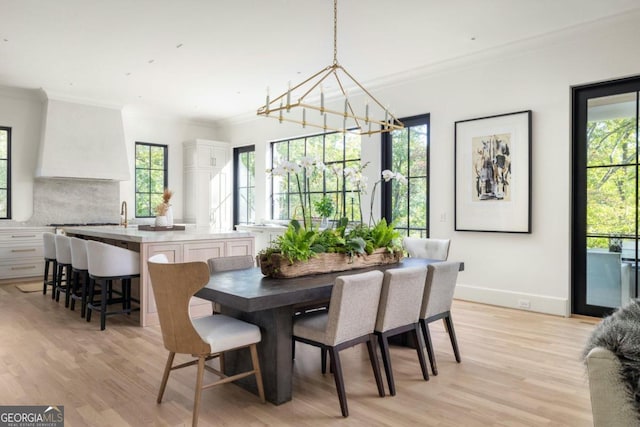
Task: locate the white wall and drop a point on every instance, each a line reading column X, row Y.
column 22, row 110
column 537, row 75
column 156, row 129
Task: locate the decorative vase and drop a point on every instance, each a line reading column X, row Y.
column 169, row 215
column 161, row 221
column 324, row 223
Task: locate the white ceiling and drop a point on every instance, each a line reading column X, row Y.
column 211, row 59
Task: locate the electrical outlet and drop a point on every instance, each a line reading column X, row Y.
column 524, row 303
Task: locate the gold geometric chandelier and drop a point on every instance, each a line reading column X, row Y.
column 304, row 103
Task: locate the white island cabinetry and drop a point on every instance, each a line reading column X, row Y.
column 21, row 252
column 192, row 244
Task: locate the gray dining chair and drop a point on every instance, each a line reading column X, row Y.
column 436, row 304
column 399, row 312
column 350, row 320
column 228, row 263
column 417, row 247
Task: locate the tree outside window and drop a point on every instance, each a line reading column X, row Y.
column 151, row 177
column 5, row 173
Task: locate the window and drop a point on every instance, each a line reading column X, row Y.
column 244, row 163
column 5, row 173
column 337, row 151
column 407, row 151
column 151, row 177
column 606, row 198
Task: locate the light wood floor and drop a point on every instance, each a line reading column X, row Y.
column 518, row 369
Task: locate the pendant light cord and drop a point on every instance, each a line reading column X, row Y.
column 335, row 32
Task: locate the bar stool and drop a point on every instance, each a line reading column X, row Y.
column 63, row 258
column 80, row 274
column 106, row 264
column 49, row 260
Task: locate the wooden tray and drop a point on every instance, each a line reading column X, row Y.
column 160, row 228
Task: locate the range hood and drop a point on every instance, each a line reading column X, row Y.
column 82, row 141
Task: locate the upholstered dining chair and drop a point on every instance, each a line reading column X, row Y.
column 417, row 247
column 49, row 241
column 63, row 273
column 228, row 263
column 350, row 320
column 399, row 312
column 206, row 337
column 80, row 274
column 436, row 304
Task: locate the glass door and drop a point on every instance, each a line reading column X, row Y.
column 605, row 241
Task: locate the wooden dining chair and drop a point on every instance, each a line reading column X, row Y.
column 350, row 320
column 436, row 304
column 204, row 338
column 399, row 312
column 417, row 247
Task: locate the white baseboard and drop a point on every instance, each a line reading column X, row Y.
column 517, row 300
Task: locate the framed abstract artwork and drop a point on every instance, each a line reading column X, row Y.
column 493, row 173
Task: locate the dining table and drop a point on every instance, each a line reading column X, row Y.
column 271, row 303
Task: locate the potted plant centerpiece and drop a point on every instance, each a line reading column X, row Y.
column 304, row 249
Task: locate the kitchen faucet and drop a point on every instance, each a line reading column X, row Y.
column 123, row 211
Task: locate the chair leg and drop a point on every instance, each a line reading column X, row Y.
column 76, row 284
column 165, row 376
column 196, row 400
column 54, row 283
column 90, row 297
column 46, row 276
column 373, row 358
column 257, row 371
column 452, row 337
column 59, row 282
column 103, row 304
column 70, row 285
column 427, row 341
column 337, row 376
column 221, row 362
column 323, row 360
column 85, row 291
column 386, row 361
column 423, row 363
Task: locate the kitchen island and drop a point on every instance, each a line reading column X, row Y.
column 191, row 244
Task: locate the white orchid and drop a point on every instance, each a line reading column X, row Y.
column 401, row 178
column 388, row 175
column 320, row 166
column 307, row 163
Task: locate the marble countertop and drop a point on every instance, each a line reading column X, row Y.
column 132, row 234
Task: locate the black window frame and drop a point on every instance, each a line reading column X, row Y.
column 166, row 176
column 386, row 207
column 7, row 129
column 237, row 151
column 325, row 191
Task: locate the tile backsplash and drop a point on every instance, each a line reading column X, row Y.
column 65, row 201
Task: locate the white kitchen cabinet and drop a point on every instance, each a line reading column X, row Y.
column 208, row 183
column 21, row 252
column 264, row 234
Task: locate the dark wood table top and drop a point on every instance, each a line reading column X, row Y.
column 248, row 290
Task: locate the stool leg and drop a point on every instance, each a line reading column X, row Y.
column 59, row 282
column 85, row 291
column 103, row 304
column 92, row 287
column 54, row 279
column 46, row 276
column 69, row 287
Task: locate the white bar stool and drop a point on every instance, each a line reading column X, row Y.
column 49, row 261
column 80, row 274
column 106, row 264
column 63, row 258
